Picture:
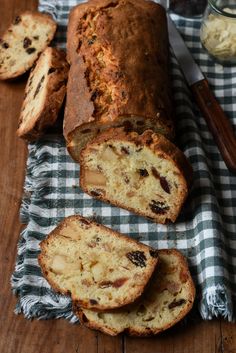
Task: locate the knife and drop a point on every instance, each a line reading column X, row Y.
column 217, row 121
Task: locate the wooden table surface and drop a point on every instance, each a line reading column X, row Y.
column 19, row 335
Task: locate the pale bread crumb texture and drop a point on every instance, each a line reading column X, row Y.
column 100, row 268
column 44, row 94
column 167, row 299
column 28, row 35
column 145, row 174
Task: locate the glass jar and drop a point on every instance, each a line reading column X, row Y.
column 187, row 8
column 218, row 30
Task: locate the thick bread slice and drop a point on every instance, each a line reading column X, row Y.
column 44, row 94
column 145, row 174
column 28, row 35
column 166, row 301
column 100, row 268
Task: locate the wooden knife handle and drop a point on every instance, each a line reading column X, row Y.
column 217, row 122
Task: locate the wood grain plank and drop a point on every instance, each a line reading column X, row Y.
column 108, row 344
column 198, row 337
column 228, row 331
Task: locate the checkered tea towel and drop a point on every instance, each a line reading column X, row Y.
column 206, row 229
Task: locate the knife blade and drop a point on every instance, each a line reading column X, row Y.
column 217, row 121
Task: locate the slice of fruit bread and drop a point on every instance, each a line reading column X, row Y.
column 100, row 268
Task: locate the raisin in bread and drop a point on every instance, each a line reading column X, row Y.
column 100, row 268
column 166, row 301
column 28, row 35
column 116, row 48
column 44, row 94
column 145, row 174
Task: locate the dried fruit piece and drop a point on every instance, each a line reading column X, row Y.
column 116, row 284
column 51, row 70
column 158, row 207
column 138, row 258
column 155, row 173
column 176, row 303
column 93, row 301
column 105, row 284
column 164, row 184
column 119, row 282
column 27, row 42
column 124, row 150
column 17, row 20
column 30, row 50
column 126, row 179
column 143, row 172
column 39, row 86
column 5, row 45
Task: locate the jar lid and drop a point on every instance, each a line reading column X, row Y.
column 224, row 9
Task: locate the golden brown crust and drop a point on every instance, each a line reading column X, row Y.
column 131, row 38
column 44, row 19
column 145, row 331
column 133, row 295
column 160, row 147
column 55, row 93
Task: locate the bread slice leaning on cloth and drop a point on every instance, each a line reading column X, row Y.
column 168, row 298
column 29, row 34
column 100, row 268
column 119, row 74
column 44, row 94
column 146, row 174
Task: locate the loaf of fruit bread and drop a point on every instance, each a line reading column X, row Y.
column 119, row 76
column 100, row 268
column 28, row 35
column 168, row 298
column 44, row 94
column 146, row 174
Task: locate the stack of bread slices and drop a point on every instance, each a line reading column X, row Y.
column 118, row 124
column 116, row 283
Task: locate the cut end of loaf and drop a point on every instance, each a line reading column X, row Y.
column 145, row 174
